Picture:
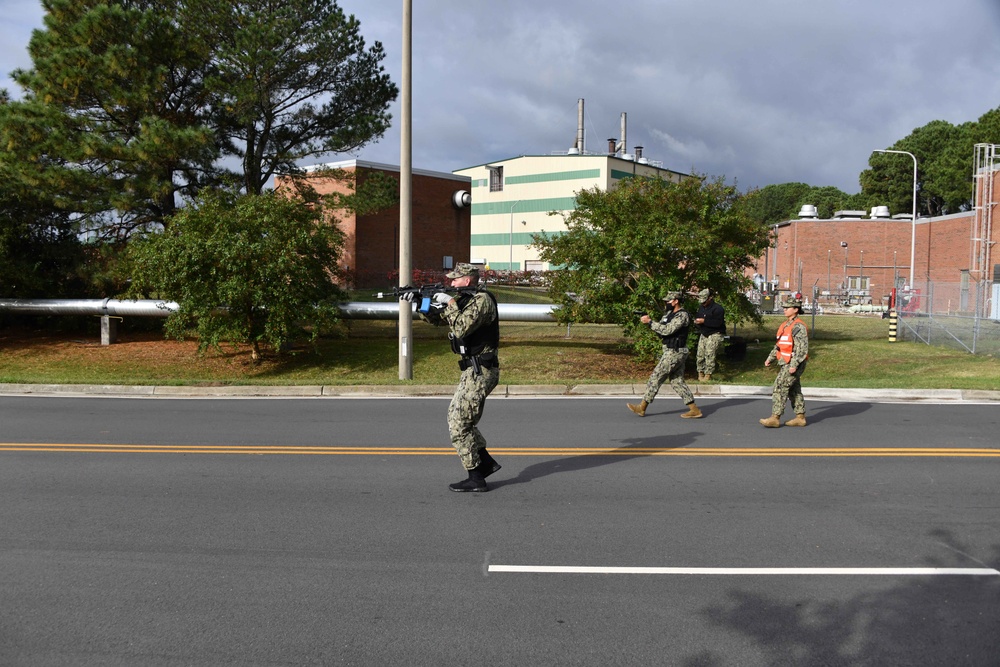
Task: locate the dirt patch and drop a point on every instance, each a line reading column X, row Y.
column 136, row 349
column 147, row 357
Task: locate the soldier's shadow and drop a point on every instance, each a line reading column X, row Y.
column 633, row 448
column 707, row 409
column 836, row 411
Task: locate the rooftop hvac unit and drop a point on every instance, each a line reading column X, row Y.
column 808, row 211
column 880, row 212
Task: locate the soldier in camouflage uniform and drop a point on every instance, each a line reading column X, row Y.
column 475, row 335
column 711, row 322
column 791, row 352
column 673, row 330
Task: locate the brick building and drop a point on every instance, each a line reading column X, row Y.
column 440, row 224
column 858, row 258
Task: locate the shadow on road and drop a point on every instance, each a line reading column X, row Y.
column 632, row 449
column 709, row 409
column 836, row 411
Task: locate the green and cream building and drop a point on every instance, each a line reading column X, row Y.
column 513, row 199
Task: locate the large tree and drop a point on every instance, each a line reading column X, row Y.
column 114, row 122
column 829, row 199
column 295, row 79
column 625, row 247
column 259, row 269
column 132, row 106
column 778, row 202
column 944, row 154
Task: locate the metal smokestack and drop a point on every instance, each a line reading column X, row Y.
column 624, row 146
column 579, row 126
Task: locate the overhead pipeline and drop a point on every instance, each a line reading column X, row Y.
column 357, row 310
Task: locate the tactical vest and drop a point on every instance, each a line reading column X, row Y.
column 677, row 339
column 485, row 336
column 785, row 340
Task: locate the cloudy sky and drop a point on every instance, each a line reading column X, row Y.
column 761, row 92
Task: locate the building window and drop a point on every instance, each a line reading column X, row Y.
column 857, row 283
column 496, row 179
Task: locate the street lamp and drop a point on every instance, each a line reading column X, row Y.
column 913, row 219
column 405, row 334
column 774, row 271
column 847, row 285
column 510, row 264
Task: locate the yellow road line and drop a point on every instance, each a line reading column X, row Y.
column 508, row 451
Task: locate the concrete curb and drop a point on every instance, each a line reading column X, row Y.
column 713, row 391
column 606, row 390
column 238, row 390
column 86, row 389
column 529, row 390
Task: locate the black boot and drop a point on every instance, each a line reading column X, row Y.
column 475, row 483
column 487, row 464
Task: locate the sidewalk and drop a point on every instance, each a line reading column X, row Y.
column 710, row 391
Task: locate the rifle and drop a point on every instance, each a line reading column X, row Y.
column 422, row 294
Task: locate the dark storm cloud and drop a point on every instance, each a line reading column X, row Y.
column 762, row 92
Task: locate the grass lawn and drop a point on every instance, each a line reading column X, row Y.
column 845, row 351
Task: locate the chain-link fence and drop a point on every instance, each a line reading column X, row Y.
column 963, row 316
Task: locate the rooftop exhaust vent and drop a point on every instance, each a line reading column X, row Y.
column 880, row 212
column 808, row 211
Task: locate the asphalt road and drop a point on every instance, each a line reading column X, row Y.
column 322, row 532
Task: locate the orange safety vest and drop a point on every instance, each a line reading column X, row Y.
column 785, row 341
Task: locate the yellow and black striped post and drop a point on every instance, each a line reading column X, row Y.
column 893, row 321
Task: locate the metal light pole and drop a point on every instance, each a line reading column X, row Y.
column 847, row 286
column 510, row 264
column 913, row 220
column 406, row 196
column 861, row 279
column 774, row 269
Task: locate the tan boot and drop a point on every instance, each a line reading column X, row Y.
column 708, row 378
column 639, row 409
column 771, row 422
column 692, row 413
column 800, row 420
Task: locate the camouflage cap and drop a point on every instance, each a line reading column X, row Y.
column 791, row 302
column 463, row 269
column 704, row 295
column 670, row 296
